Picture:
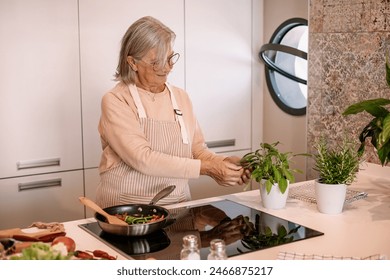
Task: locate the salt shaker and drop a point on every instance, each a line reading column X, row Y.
column 190, row 249
column 217, row 250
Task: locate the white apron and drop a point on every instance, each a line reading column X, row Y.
column 124, row 185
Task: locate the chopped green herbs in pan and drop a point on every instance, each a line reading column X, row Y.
column 132, row 220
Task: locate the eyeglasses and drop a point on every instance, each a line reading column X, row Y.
column 172, row 59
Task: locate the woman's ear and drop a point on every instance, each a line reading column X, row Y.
column 131, row 62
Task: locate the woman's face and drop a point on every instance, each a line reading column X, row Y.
column 149, row 75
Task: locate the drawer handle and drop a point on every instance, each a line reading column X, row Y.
column 38, row 163
column 39, row 184
column 221, row 143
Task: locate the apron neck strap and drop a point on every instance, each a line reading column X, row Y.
column 179, row 116
column 137, row 100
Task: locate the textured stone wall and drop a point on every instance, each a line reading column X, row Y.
column 346, row 65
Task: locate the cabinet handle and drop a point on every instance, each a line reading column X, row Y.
column 38, row 163
column 221, row 143
column 40, row 184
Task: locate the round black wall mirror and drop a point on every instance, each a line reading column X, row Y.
column 285, row 58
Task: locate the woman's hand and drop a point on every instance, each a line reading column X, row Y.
column 246, row 175
column 226, row 172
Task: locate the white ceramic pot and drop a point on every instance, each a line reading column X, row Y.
column 275, row 199
column 330, row 198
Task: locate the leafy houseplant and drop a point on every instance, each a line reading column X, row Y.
column 271, row 165
column 378, row 129
column 337, row 168
column 339, row 165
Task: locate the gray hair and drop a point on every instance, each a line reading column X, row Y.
column 143, row 35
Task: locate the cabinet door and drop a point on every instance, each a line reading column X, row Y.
column 218, row 69
column 91, row 181
column 41, row 198
column 40, row 115
column 102, row 25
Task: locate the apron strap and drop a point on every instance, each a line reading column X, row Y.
column 137, row 100
column 179, row 116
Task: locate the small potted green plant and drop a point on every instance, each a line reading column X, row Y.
column 337, row 168
column 378, row 128
column 271, row 168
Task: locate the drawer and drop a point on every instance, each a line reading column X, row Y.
column 45, row 198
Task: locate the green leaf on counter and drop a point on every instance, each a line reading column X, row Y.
column 39, row 251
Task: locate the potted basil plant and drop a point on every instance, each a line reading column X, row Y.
column 271, row 168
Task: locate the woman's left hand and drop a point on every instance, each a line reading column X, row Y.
column 246, row 174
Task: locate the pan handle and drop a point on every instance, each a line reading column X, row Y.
column 163, row 193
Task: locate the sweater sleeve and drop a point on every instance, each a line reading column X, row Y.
column 123, row 139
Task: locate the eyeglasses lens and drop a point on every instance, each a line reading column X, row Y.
column 171, row 61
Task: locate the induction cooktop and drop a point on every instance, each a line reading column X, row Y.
column 243, row 228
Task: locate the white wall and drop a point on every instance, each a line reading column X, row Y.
column 278, row 125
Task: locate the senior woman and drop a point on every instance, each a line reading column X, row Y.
column 149, row 133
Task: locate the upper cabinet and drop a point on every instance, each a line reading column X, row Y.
column 219, row 70
column 40, row 110
column 102, row 25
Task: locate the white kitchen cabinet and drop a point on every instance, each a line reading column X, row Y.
column 219, row 70
column 91, row 181
column 219, row 80
column 102, row 25
column 41, row 198
column 40, row 113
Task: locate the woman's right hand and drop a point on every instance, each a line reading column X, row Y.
column 224, row 172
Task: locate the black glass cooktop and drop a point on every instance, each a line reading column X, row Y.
column 244, row 230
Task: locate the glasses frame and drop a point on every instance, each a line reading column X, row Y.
column 172, row 59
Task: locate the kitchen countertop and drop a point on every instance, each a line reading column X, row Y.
column 361, row 230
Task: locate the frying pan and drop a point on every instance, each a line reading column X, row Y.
column 137, row 210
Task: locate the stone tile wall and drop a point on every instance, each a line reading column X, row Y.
column 346, row 65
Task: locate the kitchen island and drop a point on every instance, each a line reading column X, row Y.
column 361, row 230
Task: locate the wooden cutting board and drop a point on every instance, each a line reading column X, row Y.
column 44, row 235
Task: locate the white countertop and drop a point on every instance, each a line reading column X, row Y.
column 363, row 229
